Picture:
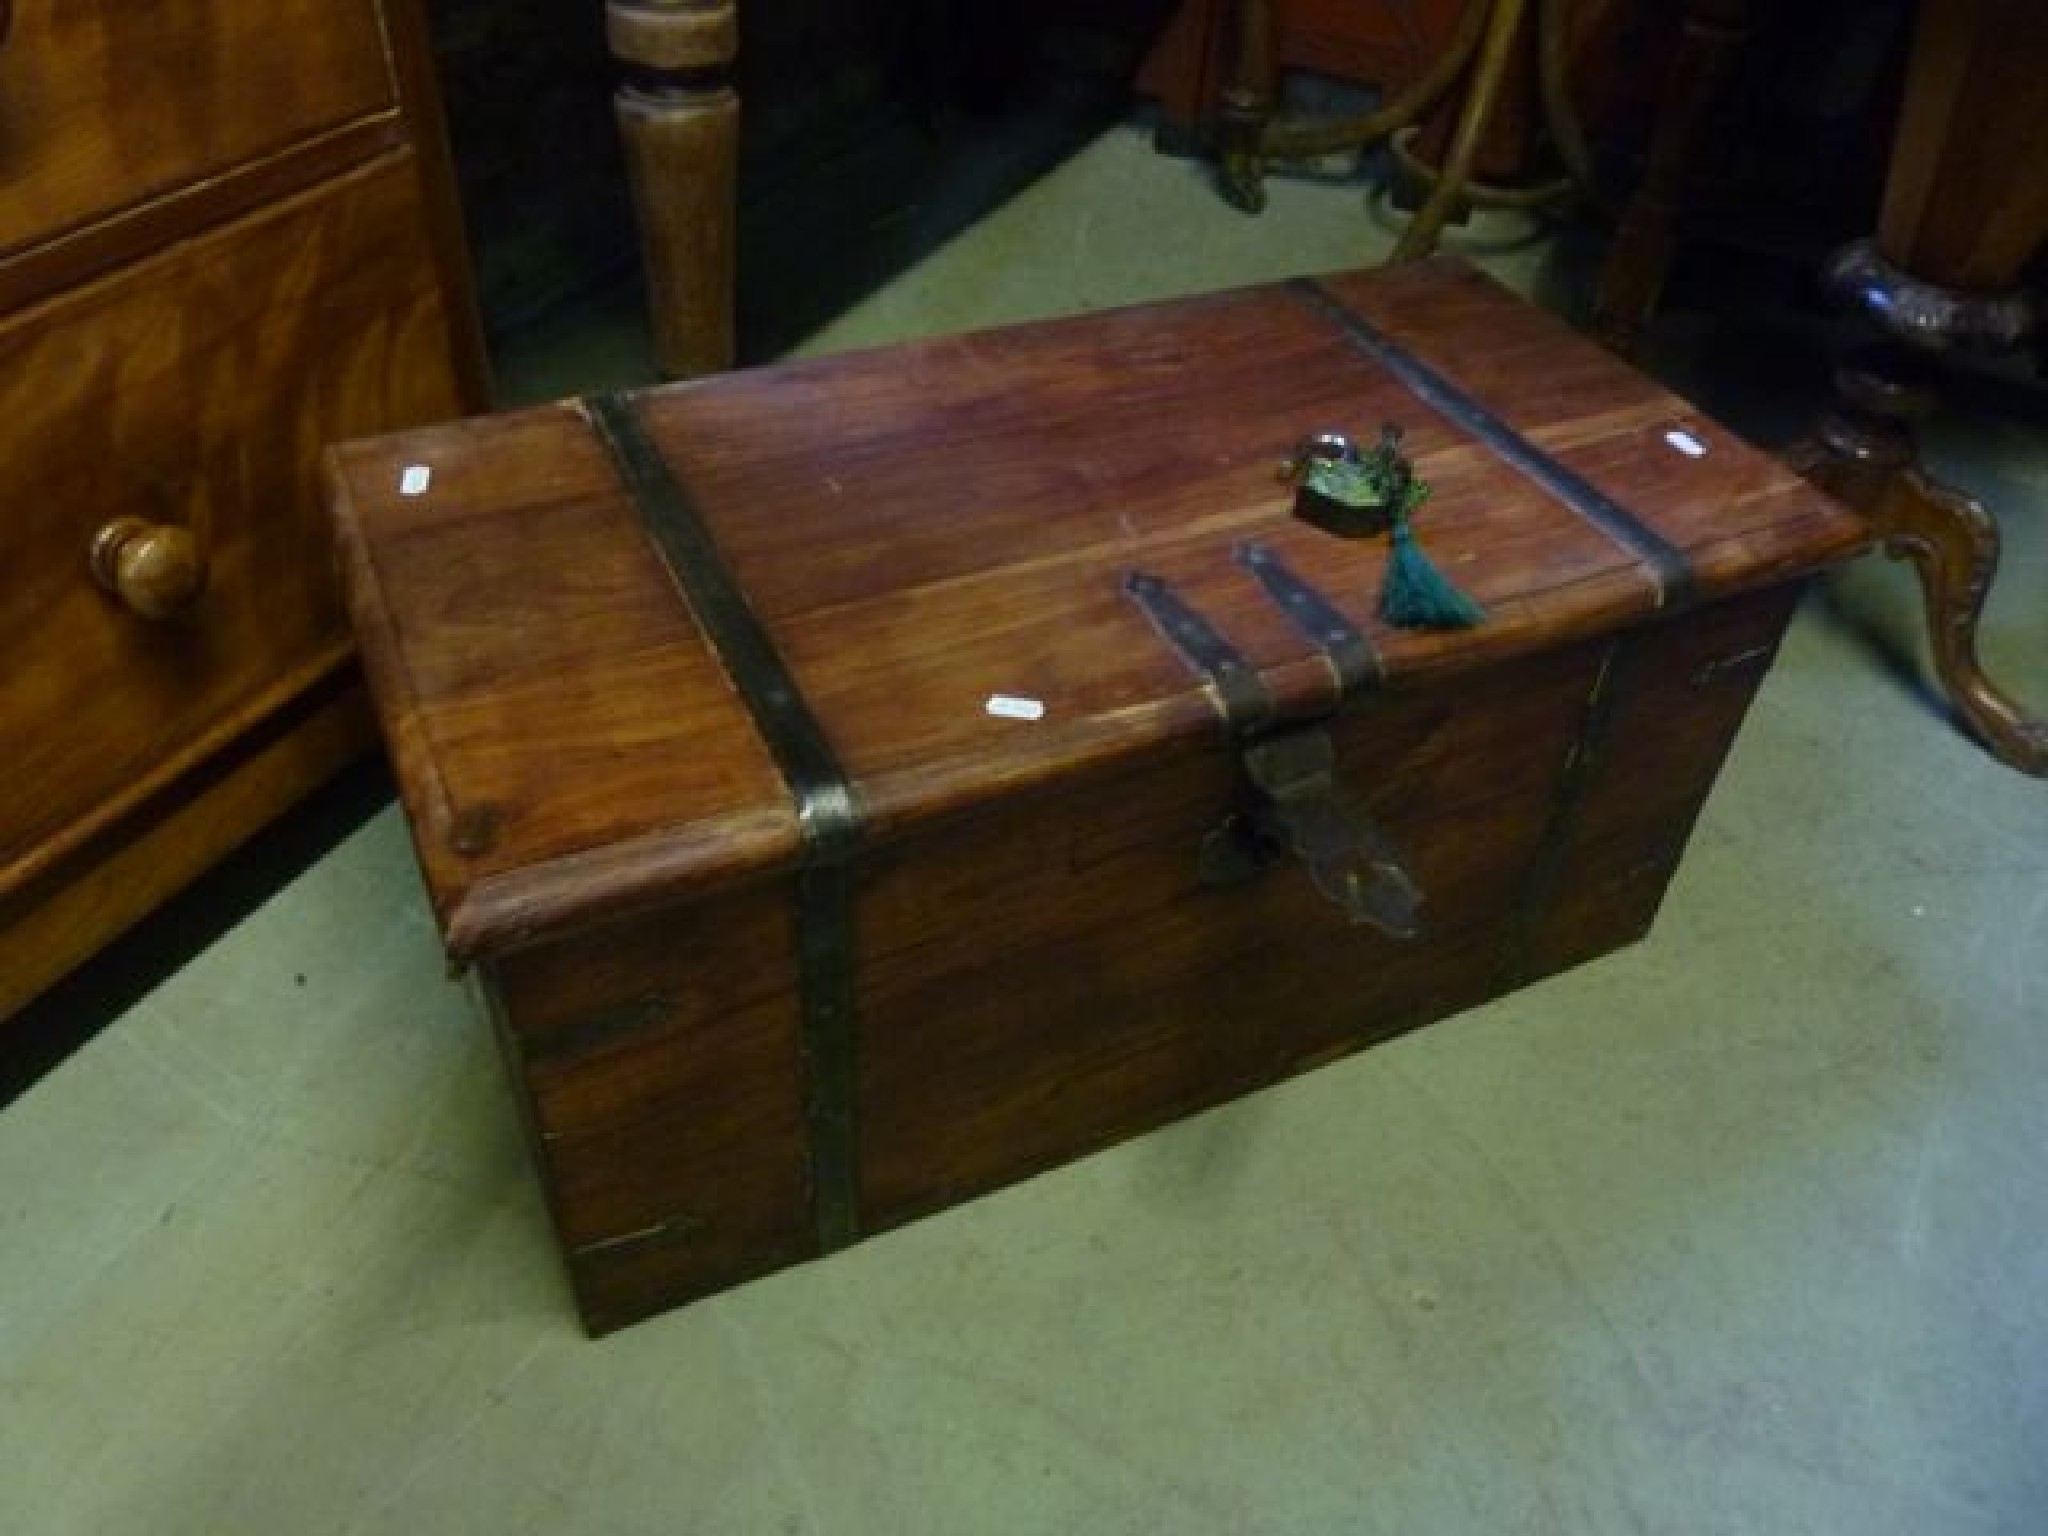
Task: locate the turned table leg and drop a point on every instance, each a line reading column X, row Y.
column 1965, row 208
column 678, row 118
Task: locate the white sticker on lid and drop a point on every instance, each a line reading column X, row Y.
column 415, row 480
column 1007, row 706
column 1686, row 443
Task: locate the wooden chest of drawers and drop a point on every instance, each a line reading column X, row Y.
column 227, row 237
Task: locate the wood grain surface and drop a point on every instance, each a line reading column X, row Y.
column 108, row 105
column 1040, row 966
column 227, row 236
column 147, row 395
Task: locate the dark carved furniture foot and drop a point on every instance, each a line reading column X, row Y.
column 1965, row 210
column 1865, row 452
column 1953, row 544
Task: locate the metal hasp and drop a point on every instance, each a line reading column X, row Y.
column 1294, row 805
column 1291, row 802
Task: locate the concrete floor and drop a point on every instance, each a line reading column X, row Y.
column 1744, row 1230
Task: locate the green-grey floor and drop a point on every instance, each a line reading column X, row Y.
column 1744, row 1230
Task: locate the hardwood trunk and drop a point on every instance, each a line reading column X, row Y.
column 835, row 836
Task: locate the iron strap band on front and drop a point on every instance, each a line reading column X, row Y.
column 827, row 811
column 1667, row 563
column 1582, row 767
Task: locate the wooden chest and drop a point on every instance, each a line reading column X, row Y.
column 861, row 783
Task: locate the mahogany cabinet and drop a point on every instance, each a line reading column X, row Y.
column 227, row 237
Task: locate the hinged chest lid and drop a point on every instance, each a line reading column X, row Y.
column 932, row 545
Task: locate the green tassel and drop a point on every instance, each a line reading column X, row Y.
column 1415, row 594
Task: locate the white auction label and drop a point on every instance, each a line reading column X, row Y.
column 415, row 480
column 1685, row 443
column 1007, row 706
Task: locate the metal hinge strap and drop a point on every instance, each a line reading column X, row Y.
column 1321, row 622
column 1241, row 694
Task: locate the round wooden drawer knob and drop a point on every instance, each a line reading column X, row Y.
column 155, row 569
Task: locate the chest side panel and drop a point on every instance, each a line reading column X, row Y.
column 1059, row 975
column 658, row 1068
column 1107, row 987
column 1626, row 809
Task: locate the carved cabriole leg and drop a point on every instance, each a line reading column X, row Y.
column 1865, row 453
column 1965, row 209
column 679, row 119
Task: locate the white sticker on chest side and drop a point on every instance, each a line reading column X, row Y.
column 1008, row 706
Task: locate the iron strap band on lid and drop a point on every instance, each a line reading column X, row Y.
column 1241, row 695
column 828, row 812
column 1321, row 622
column 1667, row 563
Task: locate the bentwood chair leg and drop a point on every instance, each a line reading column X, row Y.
column 1420, row 237
column 1248, row 108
